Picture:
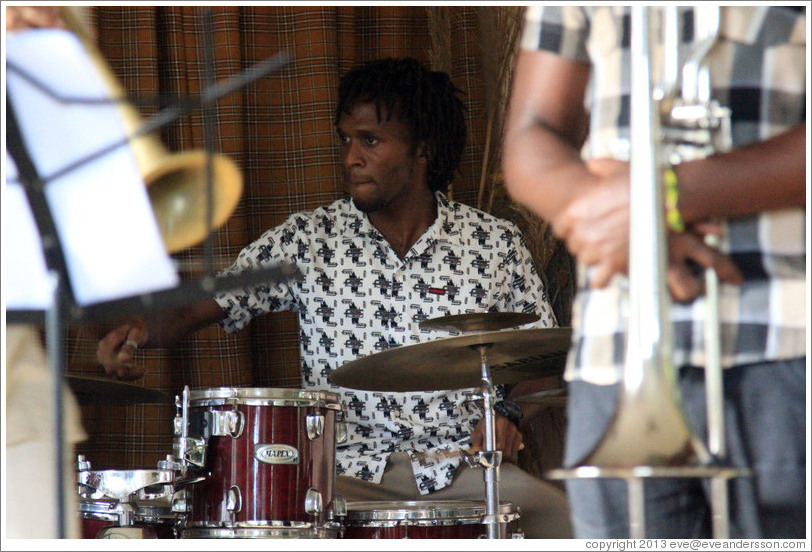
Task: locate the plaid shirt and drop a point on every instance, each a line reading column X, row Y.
column 357, row 298
column 758, row 70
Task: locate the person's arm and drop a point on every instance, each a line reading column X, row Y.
column 508, row 438
column 116, row 349
column 765, row 176
column 587, row 204
column 546, row 126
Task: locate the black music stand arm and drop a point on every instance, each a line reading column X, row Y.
column 61, row 295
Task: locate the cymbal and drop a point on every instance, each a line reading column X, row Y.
column 455, row 362
column 91, row 390
column 548, row 398
column 479, row 321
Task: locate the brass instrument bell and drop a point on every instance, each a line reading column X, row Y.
column 177, row 183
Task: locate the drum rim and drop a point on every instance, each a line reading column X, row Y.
column 417, row 510
column 263, row 395
column 261, row 529
column 113, row 508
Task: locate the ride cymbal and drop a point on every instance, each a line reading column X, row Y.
column 456, row 362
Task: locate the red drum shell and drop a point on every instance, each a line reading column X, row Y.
column 439, row 519
column 270, row 494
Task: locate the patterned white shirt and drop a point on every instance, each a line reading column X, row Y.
column 758, row 70
column 358, row 298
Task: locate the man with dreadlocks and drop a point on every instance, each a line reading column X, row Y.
column 374, row 265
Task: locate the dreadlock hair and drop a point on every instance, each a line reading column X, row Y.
column 426, row 101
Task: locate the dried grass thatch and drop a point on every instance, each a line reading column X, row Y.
column 502, row 26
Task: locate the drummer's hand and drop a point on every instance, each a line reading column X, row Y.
column 508, row 438
column 116, row 350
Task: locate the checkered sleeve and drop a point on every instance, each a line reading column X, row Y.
column 559, row 29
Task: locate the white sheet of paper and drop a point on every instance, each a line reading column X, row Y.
column 25, row 272
column 110, row 239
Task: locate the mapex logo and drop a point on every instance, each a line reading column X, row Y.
column 276, row 454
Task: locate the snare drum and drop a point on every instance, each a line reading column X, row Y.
column 441, row 519
column 100, row 519
column 269, row 463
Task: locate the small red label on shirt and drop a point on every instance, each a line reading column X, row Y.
column 437, row 291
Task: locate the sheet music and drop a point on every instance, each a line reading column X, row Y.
column 25, row 273
column 111, row 242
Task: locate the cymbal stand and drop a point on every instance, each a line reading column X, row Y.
column 490, row 458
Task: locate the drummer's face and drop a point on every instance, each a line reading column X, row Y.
column 381, row 165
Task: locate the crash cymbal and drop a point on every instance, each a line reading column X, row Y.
column 479, row 321
column 91, row 390
column 455, row 362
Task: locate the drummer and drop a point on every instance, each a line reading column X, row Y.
column 396, row 252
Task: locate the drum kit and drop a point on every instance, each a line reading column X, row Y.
column 260, row 462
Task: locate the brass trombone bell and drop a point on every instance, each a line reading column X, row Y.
column 177, row 192
column 177, row 183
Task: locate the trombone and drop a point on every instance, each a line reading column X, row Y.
column 649, row 435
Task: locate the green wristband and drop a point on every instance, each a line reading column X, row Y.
column 673, row 218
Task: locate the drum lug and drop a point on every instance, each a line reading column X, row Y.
column 315, row 426
column 180, row 501
column 313, row 502
column 126, row 514
column 82, row 464
column 226, row 423
column 339, row 506
column 234, row 500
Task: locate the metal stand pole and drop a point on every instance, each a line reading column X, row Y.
column 490, row 458
column 714, row 397
column 55, row 349
column 637, row 508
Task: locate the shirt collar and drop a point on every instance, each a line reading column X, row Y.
column 357, row 223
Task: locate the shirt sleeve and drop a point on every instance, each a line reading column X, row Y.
column 562, row 30
column 279, row 245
